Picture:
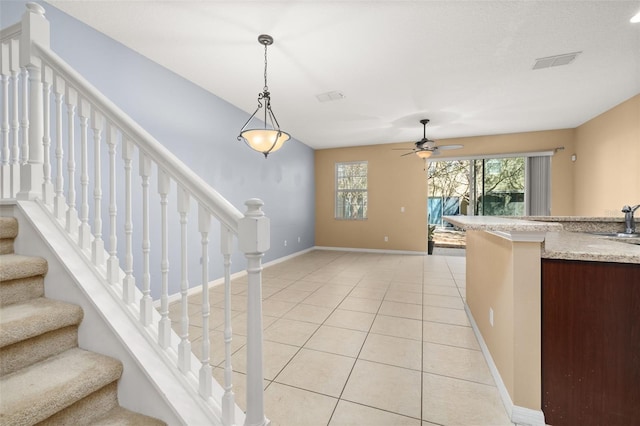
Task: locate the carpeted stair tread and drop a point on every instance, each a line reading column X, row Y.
column 16, row 266
column 37, row 392
column 21, row 290
column 8, row 227
column 22, row 321
column 25, row 353
column 6, row 246
column 119, row 416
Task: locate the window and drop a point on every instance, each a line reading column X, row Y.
column 351, row 190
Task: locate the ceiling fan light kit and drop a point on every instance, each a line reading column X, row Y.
column 264, row 140
column 424, row 154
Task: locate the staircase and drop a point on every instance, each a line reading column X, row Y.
column 101, row 198
column 45, row 377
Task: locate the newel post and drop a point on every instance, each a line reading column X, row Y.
column 35, row 28
column 253, row 241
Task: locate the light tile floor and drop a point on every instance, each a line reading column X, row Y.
column 361, row 339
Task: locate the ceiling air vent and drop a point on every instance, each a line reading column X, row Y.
column 330, row 96
column 555, row 61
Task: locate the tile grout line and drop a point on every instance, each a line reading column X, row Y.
column 422, row 348
column 357, row 356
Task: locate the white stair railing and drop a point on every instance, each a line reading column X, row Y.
column 10, row 74
column 92, row 174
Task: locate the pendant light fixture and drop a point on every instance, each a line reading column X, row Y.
column 269, row 138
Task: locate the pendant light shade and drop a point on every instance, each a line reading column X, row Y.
column 265, row 141
column 268, row 138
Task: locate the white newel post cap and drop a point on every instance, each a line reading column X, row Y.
column 35, row 8
column 254, row 234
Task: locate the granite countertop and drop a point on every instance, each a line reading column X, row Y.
column 501, row 224
column 583, row 223
column 577, row 246
column 558, row 244
column 575, row 219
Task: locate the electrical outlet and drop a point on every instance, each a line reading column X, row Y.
column 298, row 239
column 401, row 209
column 491, row 316
column 386, row 239
column 285, row 243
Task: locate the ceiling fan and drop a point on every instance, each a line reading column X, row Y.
column 425, row 148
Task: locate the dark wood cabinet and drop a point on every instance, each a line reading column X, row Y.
column 590, row 343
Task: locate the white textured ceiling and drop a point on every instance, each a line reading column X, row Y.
column 466, row 65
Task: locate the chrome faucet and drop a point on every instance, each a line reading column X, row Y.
column 629, row 223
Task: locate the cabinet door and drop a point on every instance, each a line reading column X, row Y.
column 590, row 343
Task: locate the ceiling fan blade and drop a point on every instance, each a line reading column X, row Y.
column 445, row 147
column 408, row 153
column 402, row 149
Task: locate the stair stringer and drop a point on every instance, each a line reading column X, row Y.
column 147, row 386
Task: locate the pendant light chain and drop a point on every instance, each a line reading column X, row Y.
column 266, row 88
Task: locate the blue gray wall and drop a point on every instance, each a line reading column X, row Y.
column 199, row 128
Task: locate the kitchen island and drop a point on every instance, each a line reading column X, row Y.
column 557, row 314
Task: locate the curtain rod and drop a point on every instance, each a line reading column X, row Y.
column 501, row 155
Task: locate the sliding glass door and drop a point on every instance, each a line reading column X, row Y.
column 498, row 186
column 506, row 186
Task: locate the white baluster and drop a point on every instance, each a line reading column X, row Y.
column 113, row 267
column 72, row 213
column 47, row 186
column 24, row 122
column 59, row 200
column 97, row 246
column 204, row 225
column 129, row 283
column 164, row 328
column 5, row 190
column 84, row 231
column 14, row 50
column 146, row 303
column 184, row 347
column 253, row 241
column 228, row 399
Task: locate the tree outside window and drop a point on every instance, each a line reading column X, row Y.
column 351, row 190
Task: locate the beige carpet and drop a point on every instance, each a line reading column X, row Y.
column 45, row 377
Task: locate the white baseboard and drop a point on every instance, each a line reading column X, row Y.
column 288, row 257
column 527, row 416
column 518, row 415
column 363, row 250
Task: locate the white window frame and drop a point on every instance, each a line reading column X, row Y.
column 338, row 214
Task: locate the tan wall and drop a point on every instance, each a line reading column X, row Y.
column 505, row 276
column 394, row 182
column 607, row 170
column 490, row 285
